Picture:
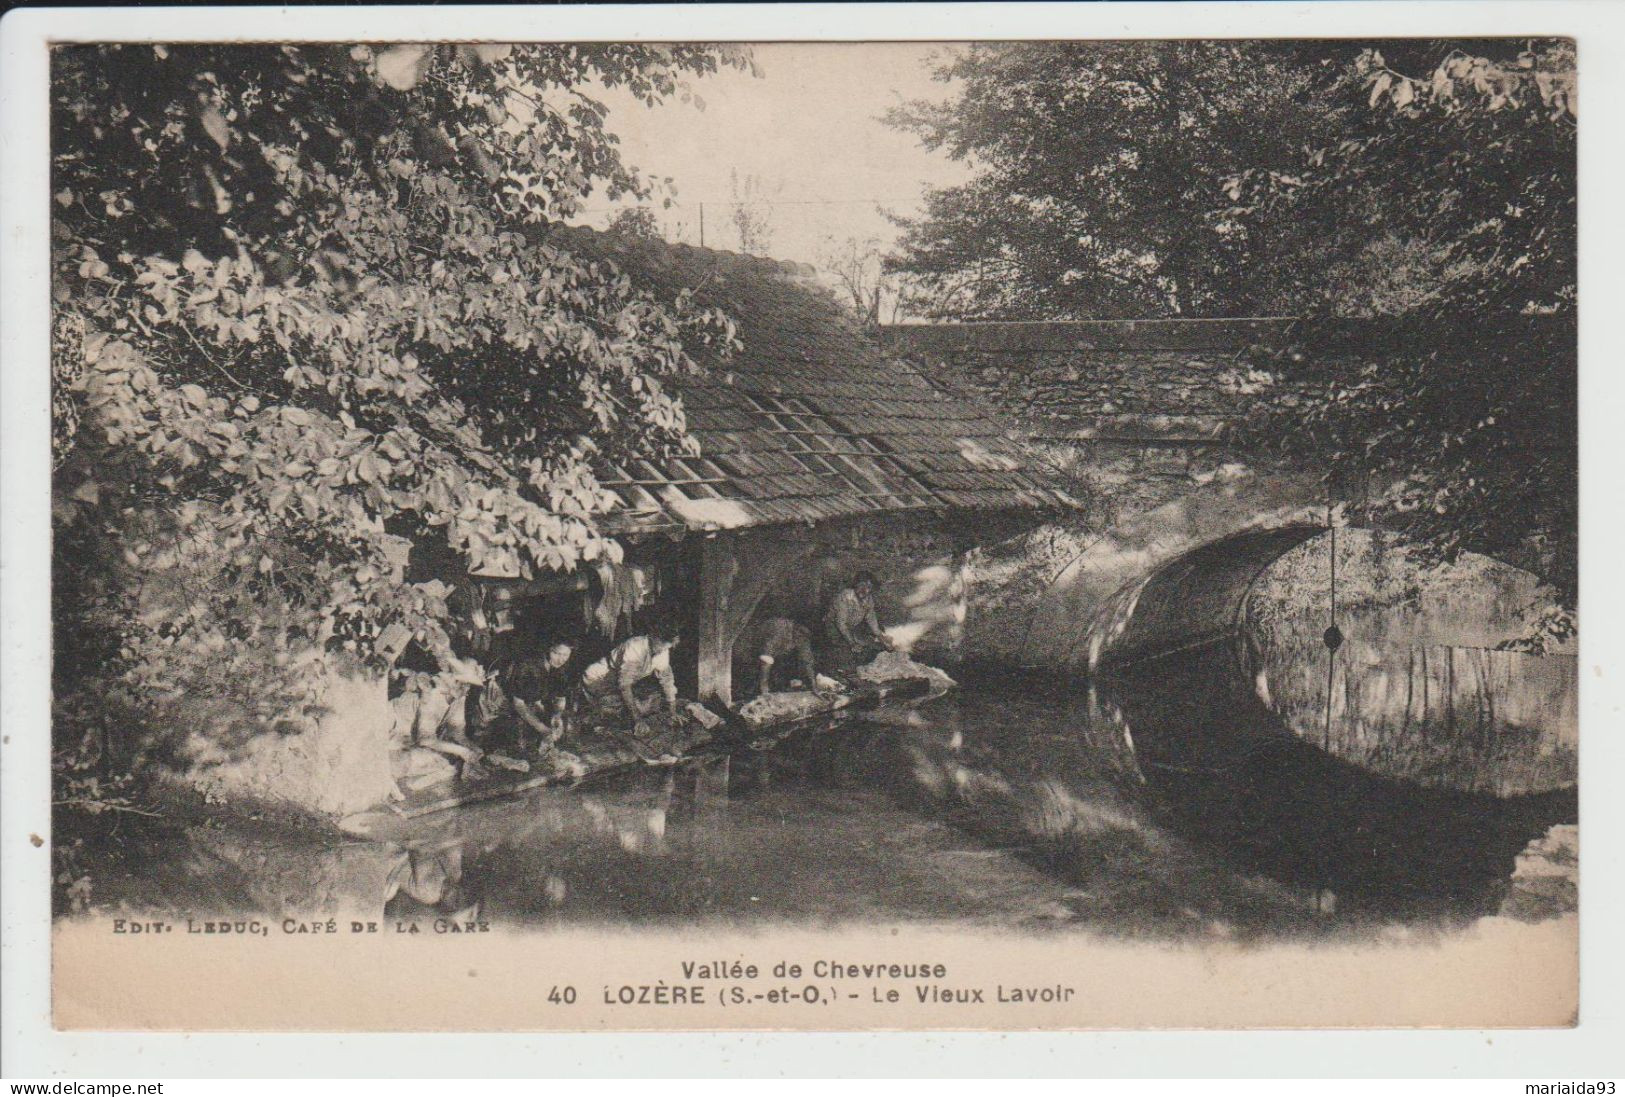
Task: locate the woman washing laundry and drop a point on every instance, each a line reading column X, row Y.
column 852, row 633
column 429, row 729
column 773, row 640
column 609, row 684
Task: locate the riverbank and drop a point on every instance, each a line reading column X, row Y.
column 998, row 807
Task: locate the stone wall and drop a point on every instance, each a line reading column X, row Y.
column 336, row 763
column 1133, row 416
column 1101, row 372
column 1142, row 405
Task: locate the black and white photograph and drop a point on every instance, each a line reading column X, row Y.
column 537, row 510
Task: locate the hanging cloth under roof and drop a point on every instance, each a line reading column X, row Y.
column 626, row 589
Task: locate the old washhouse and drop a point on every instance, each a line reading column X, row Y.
column 818, row 455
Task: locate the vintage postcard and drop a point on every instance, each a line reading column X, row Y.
column 687, row 535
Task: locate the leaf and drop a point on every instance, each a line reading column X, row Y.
column 1380, row 85
column 403, row 67
column 214, row 124
column 472, row 149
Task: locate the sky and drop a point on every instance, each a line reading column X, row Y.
column 807, row 130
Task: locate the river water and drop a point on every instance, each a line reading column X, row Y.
column 1167, row 807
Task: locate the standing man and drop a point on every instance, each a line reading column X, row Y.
column 851, row 631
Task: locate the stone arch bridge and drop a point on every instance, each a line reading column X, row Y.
column 1139, row 410
column 1204, row 548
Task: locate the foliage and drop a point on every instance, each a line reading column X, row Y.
column 71, row 881
column 636, row 222
column 751, row 212
column 1461, row 412
column 1097, row 164
column 88, row 783
column 1489, row 225
column 1552, row 628
column 308, row 317
column 1426, row 185
column 857, row 267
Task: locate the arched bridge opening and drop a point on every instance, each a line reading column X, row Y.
column 1197, row 599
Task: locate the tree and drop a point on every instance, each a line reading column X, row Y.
column 857, row 268
column 751, row 213
column 635, row 222
column 1489, row 227
column 1426, row 185
column 1098, row 175
column 308, row 317
column 1463, row 413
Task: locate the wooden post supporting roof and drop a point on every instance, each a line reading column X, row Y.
column 717, row 568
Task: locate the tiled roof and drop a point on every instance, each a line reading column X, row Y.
column 810, row 420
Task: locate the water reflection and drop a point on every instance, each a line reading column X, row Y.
column 1468, row 718
column 1170, row 805
column 429, row 880
column 1224, row 769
